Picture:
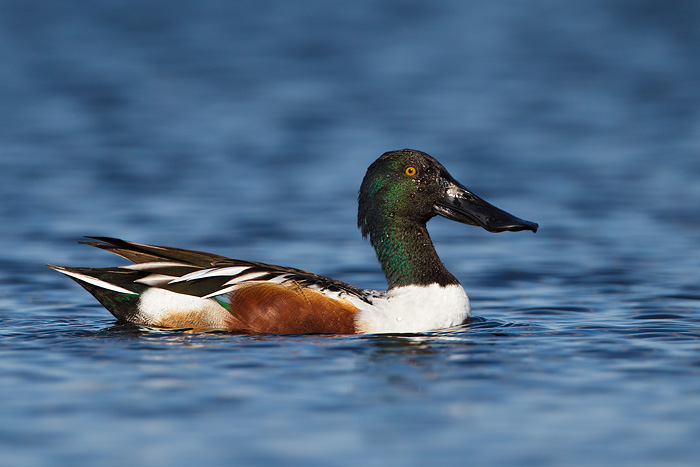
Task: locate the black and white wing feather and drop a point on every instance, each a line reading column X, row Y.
column 199, row 274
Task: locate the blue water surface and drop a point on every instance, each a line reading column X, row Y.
column 244, row 129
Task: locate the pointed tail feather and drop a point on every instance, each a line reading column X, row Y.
column 113, row 288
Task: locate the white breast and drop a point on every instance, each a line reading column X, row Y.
column 415, row 309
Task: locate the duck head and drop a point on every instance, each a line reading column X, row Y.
column 411, row 187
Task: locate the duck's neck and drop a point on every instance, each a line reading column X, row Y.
column 407, row 255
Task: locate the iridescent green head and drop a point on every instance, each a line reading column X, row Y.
column 400, row 193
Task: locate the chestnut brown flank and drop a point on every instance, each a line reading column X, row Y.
column 289, row 309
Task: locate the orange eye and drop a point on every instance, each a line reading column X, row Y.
column 411, row 171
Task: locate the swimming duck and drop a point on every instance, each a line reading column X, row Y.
column 401, row 191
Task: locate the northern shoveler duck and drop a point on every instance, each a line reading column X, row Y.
column 402, row 190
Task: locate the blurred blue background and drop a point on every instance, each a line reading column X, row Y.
column 244, row 128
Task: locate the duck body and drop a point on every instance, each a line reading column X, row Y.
column 170, row 289
column 185, row 289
